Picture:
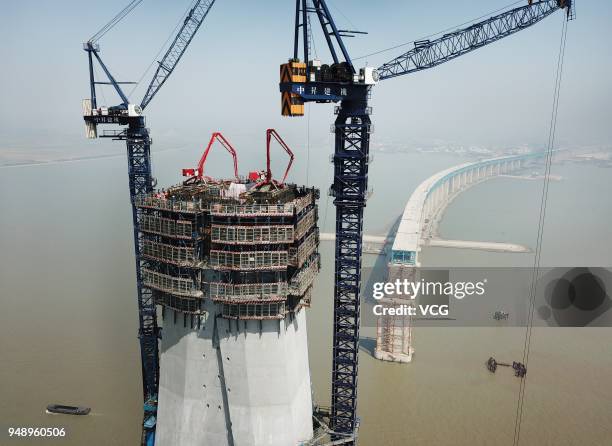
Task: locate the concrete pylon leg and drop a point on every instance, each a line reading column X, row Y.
column 234, row 383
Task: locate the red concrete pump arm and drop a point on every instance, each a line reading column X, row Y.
column 217, row 136
column 269, row 134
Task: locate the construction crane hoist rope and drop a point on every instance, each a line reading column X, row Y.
column 309, row 80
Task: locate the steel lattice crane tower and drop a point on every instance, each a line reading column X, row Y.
column 138, row 140
column 305, row 80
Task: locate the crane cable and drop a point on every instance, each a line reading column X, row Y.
column 331, row 172
column 311, row 40
column 111, row 24
column 542, row 217
column 308, row 147
column 162, row 48
column 453, row 28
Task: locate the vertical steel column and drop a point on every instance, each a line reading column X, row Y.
column 352, row 143
column 141, row 182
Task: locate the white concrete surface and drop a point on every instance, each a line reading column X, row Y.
column 234, row 383
column 483, row 246
column 393, row 357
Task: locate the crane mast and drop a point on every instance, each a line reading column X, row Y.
column 311, row 81
column 141, row 182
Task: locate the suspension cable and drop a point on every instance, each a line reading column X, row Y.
column 542, row 218
column 110, row 25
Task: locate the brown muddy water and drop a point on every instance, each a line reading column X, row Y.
column 68, row 318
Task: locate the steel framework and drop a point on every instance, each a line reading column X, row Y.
column 351, row 156
column 428, row 54
column 141, row 183
column 352, row 145
column 140, row 178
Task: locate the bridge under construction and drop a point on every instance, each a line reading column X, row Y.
column 231, row 262
column 417, row 226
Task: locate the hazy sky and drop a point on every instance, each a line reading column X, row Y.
column 228, row 79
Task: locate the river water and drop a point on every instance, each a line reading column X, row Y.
column 69, row 319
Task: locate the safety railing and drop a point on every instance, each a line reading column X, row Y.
column 170, row 284
column 165, row 204
column 301, row 281
column 275, row 310
column 251, row 234
column 250, row 260
column 166, row 226
column 176, row 255
column 305, row 223
column 251, row 210
column 302, row 202
column 227, row 292
column 184, row 305
column 297, row 256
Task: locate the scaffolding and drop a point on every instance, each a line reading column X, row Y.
column 306, row 201
column 177, row 255
column 254, row 310
column 304, row 278
column 394, row 331
column 252, row 210
column 175, row 286
column 251, row 235
column 167, row 227
column 254, row 253
column 306, row 223
column 300, row 252
column 165, row 204
column 248, row 260
column 248, row 292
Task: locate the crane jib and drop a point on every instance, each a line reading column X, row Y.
column 173, row 55
column 427, row 54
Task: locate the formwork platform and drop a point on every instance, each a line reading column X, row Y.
column 232, row 264
column 252, row 250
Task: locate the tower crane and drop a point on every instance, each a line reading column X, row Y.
column 137, row 137
column 308, row 80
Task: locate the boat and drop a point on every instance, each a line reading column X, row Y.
column 500, row 315
column 68, row 410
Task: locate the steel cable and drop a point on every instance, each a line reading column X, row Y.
column 541, row 221
column 111, row 24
